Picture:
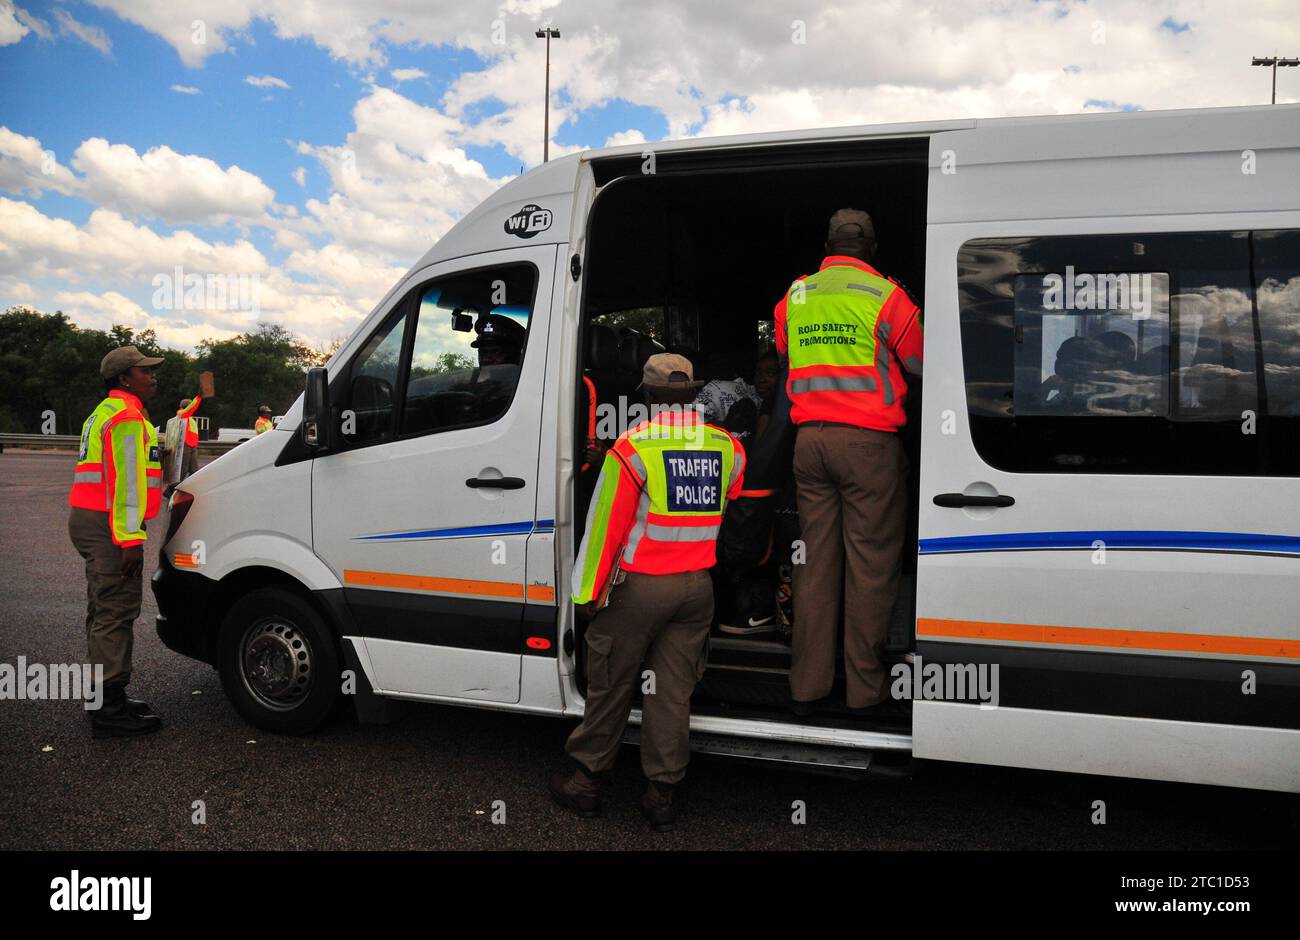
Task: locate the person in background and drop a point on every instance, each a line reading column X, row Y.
column 190, row 462
column 850, row 334
column 649, row 543
column 116, row 488
column 767, row 372
column 500, row 341
column 264, row 422
column 718, row 401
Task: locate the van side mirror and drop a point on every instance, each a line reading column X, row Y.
column 317, row 424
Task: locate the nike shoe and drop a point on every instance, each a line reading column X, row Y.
column 754, row 613
column 750, row 627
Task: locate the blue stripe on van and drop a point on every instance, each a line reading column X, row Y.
column 1155, row 539
column 473, row 531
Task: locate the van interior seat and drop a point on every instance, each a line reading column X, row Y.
column 601, row 366
column 634, row 350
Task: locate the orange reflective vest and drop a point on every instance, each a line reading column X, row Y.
column 191, row 426
column 119, row 469
column 659, row 500
column 263, row 424
column 849, row 333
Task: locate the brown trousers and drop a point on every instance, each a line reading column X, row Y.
column 852, row 492
column 112, row 601
column 663, row 622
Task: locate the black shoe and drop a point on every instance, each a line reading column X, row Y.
column 804, row 709
column 657, row 806
column 577, row 791
column 114, row 719
column 889, row 708
column 766, row 626
column 139, row 709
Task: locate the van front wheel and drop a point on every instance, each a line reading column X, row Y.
column 279, row 664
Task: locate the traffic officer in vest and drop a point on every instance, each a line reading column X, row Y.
column 190, row 462
column 849, row 333
column 264, row 422
column 646, row 554
column 117, row 486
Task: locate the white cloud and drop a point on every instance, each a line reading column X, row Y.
column 26, row 167
column 300, row 176
column 168, row 185
column 265, row 81
column 99, row 266
column 11, row 30
column 921, row 59
column 186, row 90
column 400, row 180
column 407, row 75
column 92, row 35
column 622, row 138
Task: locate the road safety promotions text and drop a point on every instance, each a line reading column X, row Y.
column 828, row 334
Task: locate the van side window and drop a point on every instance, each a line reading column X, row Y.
column 1277, row 279
column 471, row 335
column 372, row 386
column 1155, row 353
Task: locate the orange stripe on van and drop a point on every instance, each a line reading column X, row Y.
column 540, row 592
column 1110, row 639
column 181, row 560
column 421, row 582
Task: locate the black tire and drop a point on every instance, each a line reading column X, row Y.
column 279, row 662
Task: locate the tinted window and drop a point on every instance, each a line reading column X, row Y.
column 470, row 338
column 1133, row 353
column 372, row 385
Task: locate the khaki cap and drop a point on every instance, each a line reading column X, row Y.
column 123, row 358
column 843, row 217
column 668, row 370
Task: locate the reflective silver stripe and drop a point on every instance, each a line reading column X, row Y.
column 129, row 471
column 737, row 467
column 88, row 476
column 682, row 533
column 866, row 287
column 834, row 383
column 638, row 527
column 637, row 464
column 913, row 364
column 154, row 483
column 882, row 358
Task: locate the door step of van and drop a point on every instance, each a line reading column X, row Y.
column 809, row 757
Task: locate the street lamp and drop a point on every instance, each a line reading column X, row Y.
column 548, row 33
column 1274, row 61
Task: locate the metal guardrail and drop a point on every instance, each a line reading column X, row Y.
column 71, row 442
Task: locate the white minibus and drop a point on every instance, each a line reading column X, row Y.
column 1104, row 537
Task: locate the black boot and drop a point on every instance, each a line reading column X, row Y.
column 577, row 791
column 114, row 718
column 139, row 709
column 657, row 806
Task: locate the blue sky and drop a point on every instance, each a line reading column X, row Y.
column 325, row 147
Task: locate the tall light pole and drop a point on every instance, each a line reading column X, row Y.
column 548, row 33
column 1274, row 61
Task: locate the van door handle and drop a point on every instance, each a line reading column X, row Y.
column 961, row 500
column 501, row 483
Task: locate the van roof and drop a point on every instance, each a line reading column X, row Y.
column 537, row 206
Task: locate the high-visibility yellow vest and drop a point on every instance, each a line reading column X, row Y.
column 263, row 424
column 838, row 329
column 119, row 468
column 660, row 498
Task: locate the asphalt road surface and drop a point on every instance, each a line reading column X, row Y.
column 430, row 780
